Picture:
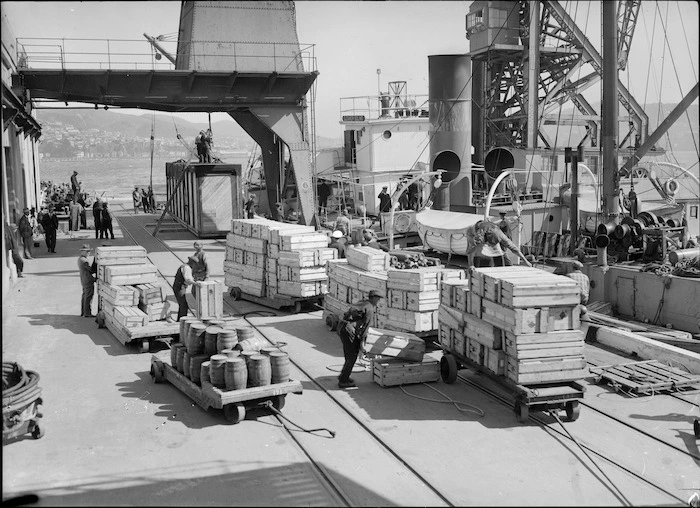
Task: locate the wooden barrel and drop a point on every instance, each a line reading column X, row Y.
column 267, row 350
column 246, row 356
column 173, row 353
column 189, row 321
column 183, row 329
column 259, row 371
column 226, row 339
column 218, row 322
column 196, row 367
column 204, row 372
column 180, row 357
column 195, row 339
column 279, row 363
column 235, row 374
column 245, row 332
column 186, row 364
column 216, row 370
column 211, row 335
column 231, row 353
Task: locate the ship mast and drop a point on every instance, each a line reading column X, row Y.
column 611, row 206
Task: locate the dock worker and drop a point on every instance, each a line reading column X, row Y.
column 360, row 314
column 249, row 207
column 487, row 245
column 97, row 216
column 50, row 224
column 136, row 196
column 583, row 281
column 184, row 278
column 201, row 270
column 26, row 232
column 324, row 191
column 370, row 240
column 337, row 243
column 342, row 223
column 106, row 222
column 75, row 185
column 384, row 203
column 87, row 280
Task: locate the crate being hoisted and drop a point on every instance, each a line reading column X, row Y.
column 205, row 196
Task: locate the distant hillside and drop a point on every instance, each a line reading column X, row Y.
column 139, row 126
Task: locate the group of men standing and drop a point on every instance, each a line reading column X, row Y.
column 145, row 198
column 103, row 219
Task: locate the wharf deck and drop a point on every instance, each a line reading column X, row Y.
column 393, row 446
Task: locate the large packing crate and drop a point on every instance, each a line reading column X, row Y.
column 395, row 344
column 395, row 372
column 117, row 295
column 368, row 259
column 125, row 275
column 151, row 293
column 121, row 255
column 209, row 299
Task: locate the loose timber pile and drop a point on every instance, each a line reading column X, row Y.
column 517, row 322
column 266, row 258
column 127, row 288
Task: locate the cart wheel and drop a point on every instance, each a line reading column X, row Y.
column 235, row 293
column 696, row 428
column 278, row 402
column 332, row 322
column 573, row 409
column 448, row 369
column 156, row 373
column 37, row 431
column 144, row 346
column 234, row 413
column 297, row 308
column 521, row 412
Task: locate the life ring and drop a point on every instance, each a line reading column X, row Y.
column 671, row 187
column 402, row 223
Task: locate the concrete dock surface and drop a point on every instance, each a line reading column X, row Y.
column 113, row 437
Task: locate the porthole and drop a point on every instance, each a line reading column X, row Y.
column 386, row 134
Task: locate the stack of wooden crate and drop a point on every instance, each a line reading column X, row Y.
column 518, row 322
column 266, row 258
column 350, row 280
column 124, row 278
column 413, row 297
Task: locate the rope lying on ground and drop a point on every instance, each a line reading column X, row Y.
column 19, row 387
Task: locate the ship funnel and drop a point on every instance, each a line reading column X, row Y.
column 450, row 96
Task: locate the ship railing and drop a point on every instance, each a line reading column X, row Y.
column 125, row 54
column 368, row 107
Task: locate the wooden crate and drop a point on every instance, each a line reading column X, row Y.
column 412, row 321
column 483, row 332
column 444, row 336
column 294, row 274
column 246, row 243
column 129, row 317
column 449, row 293
column 397, row 372
column 117, row 295
column 121, row 255
column 299, row 289
column 545, row 345
column 368, row 259
column 496, row 361
column 302, row 241
column 395, row 344
column 151, row 293
column 124, row 275
column 254, row 259
column 396, row 299
column 450, row 317
column 458, row 342
column 209, row 299
column 534, row 320
column 307, row 258
column 414, row 279
column 461, row 298
column 546, row 371
column 156, row 311
column 423, row 301
column 278, row 230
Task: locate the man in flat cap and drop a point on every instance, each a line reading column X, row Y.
column 582, row 279
column 359, row 317
column 87, row 280
column 184, row 278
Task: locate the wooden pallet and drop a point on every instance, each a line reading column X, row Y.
column 646, row 377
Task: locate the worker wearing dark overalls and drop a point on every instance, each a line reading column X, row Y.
column 87, row 280
column 364, row 310
column 184, row 278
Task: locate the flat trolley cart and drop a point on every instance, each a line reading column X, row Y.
column 233, row 402
column 537, row 397
column 294, row 303
column 144, row 335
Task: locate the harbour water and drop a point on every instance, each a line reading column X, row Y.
column 115, row 179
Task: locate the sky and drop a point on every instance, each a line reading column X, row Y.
column 353, row 39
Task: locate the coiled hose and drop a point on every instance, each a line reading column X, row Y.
column 19, row 387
